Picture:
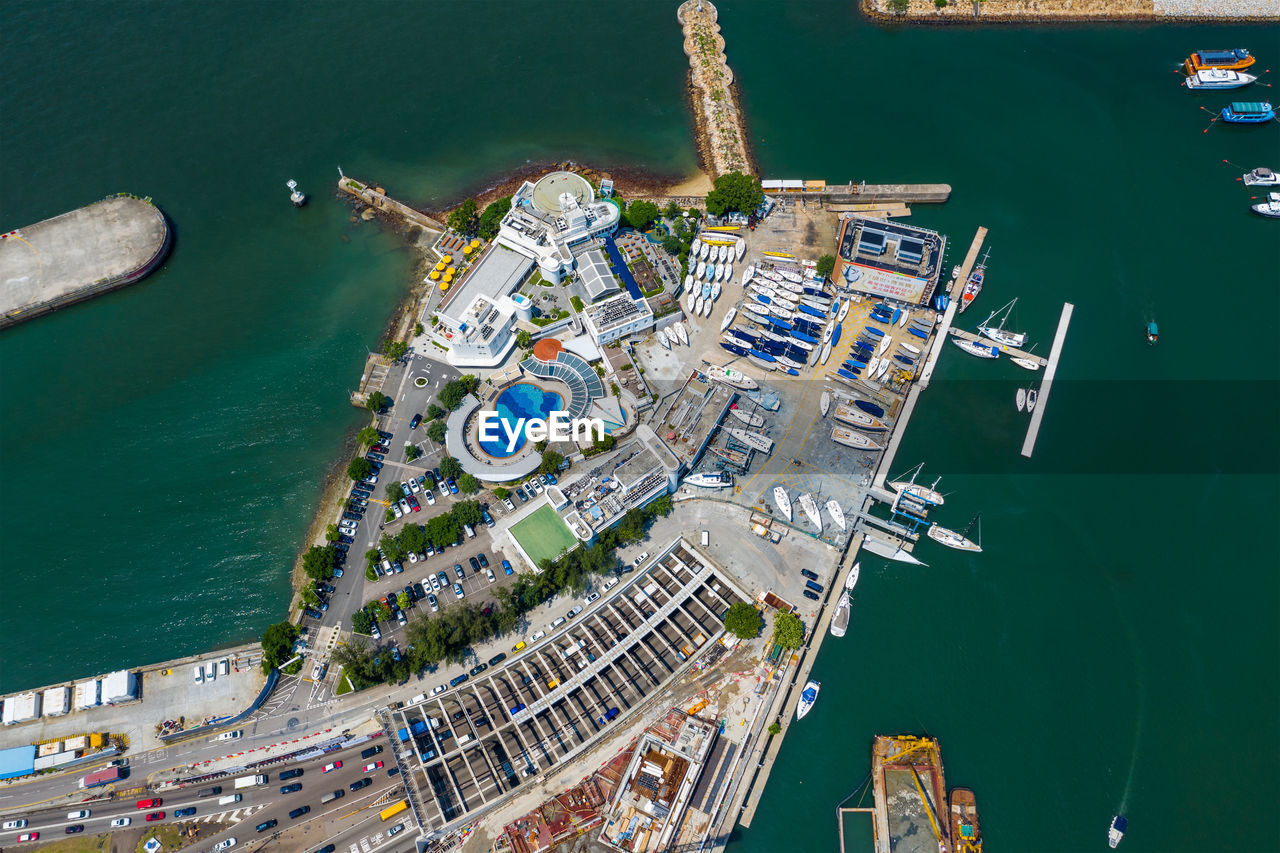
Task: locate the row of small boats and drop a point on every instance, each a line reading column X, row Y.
column 717, row 248
column 676, row 333
column 782, row 501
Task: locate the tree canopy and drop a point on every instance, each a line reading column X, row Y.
column 377, row 401
column 367, row 436
column 734, row 191
column 433, row 412
column 672, row 210
column 825, row 266
column 468, row 512
column 455, row 391
column 442, row 530
column 492, row 217
column 359, row 468
column 550, row 462
column 788, row 630
column 437, row 430
column 395, row 491
column 319, row 561
column 641, row 214
column 277, row 644
column 743, row 620
column 468, row 484
column 395, row 349
column 463, row 219
column 450, row 467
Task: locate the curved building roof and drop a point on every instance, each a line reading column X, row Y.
column 546, row 192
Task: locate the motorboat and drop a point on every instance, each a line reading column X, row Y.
column 731, row 377
column 751, row 419
column 811, row 511
column 1261, row 177
column 859, row 419
column 1248, row 112
column 976, row 348
column 851, row 438
column 782, row 501
column 1153, row 332
column 1025, row 363
column 1022, row 399
column 998, row 333
column 1269, row 208
column 728, row 319
column 840, row 618
column 836, row 512
column 1219, row 78
column 662, row 339
column 1032, row 395
column 824, row 403
column 1236, row 59
column 807, row 697
column 710, row 480
column 973, row 286
column 852, row 580
column 1115, row 833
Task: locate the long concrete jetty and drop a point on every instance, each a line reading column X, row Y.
column 79, row 255
column 721, row 129
column 1042, row 402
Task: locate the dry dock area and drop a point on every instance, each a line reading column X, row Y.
column 81, row 254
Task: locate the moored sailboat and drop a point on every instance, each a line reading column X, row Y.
column 998, row 333
column 807, row 697
column 840, row 618
column 959, row 541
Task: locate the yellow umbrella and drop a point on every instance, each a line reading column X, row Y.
column 444, row 285
column 475, row 244
column 448, row 259
column 440, row 265
column 434, row 275
column 466, row 250
column 451, row 270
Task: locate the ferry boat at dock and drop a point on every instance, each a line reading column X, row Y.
column 1237, row 59
column 1219, row 78
column 1115, row 833
column 1261, row 177
column 807, row 697
column 966, row 831
column 782, row 501
column 1248, row 112
column 731, row 377
column 710, row 480
column 840, row 619
column 852, row 438
column 973, row 286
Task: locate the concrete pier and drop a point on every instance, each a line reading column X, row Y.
column 73, row 257
column 1042, row 399
column 376, row 198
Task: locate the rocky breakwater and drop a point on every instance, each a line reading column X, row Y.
column 1016, row 11
column 717, row 114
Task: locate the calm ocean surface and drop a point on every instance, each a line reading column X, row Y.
column 164, row 446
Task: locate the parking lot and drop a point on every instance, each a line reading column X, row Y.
column 533, row 708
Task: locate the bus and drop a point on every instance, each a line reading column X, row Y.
column 393, row 810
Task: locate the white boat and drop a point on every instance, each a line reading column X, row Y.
column 824, row 403
column 1269, row 208
column 710, row 480
column 782, row 501
column 836, row 512
column 688, row 281
column 1026, row 363
column 728, row 319
column 790, row 287
column 811, row 511
column 1115, row 832
column 711, row 271
column 902, row 321
column 724, row 253
column 740, row 249
column 826, row 352
column 768, row 274
column 704, row 252
column 1032, row 394
column 706, row 308
column 785, row 361
column 912, row 349
column 1219, row 78
column 998, row 333
column 843, row 312
column 681, row 332
column 747, row 274
column 889, row 551
column 662, row 339
column 826, row 333
column 924, row 494
column 751, row 419
column 884, row 345
column 807, row 697
column 974, row 348
column 1261, row 177
column 852, row 581
column 791, row 276
column 715, row 291
column 733, row 378
column 799, row 344
column 840, row 618
column 884, row 368
column 728, row 272
column 701, row 270
column 695, row 247
column 951, row 539
column 755, row 312
column 697, row 305
column 852, row 438
column 781, row 311
column 761, row 289
column 859, row 419
column 752, row 439
column 1022, row 399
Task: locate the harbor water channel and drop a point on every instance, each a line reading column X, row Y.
column 165, row 445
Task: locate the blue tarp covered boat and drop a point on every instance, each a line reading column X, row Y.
column 763, row 356
column 869, row 408
column 873, row 331
column 919, row 333
column 734, row 348
column 801, row 336
column 811, row 311
column 781, row 324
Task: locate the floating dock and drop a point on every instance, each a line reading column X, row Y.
column 1042, row 400
column 79, row 255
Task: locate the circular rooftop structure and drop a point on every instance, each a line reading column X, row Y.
column 546, row 192
column 547, row 349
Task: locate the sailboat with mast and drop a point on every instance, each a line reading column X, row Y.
column 998, row 333
column 811, row 511
column 959, row 541
column 924, row 494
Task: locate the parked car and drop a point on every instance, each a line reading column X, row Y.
column 413, row 503
column 372, row 766
column 374, row 457
column 811, row 595
column 478, row 668
column 506, row 567
column 810, row 575
column 475, row 565
column 453, row 487
column 437, row 690
column 403, row 503
column 443, row 578
column 489, row 574
column 575, row 611
column 497, row 659
column 397, row 511
column 457, row 570
column 595, row 596
column 434, row 602
column 458, row 680
column 331, row 766
column 153, row 816
column 457, row 590
column 508, row 504
column 430, row 496
column 521, row 495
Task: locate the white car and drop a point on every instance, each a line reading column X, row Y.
column 489, row 574
column 538, row 635
column 644, row 555
column 536, row 486
column 223, row 845
column 435, row 583
column 595, row 596
column 508, row 504
column 413, row 558
column 317, row 671
column 430, row 496
column 197, row 673
column 404, row 506
column 609, row 584
column 235, row 735
column 437, row 690
column 122, row 821
column 77, row 815
column 397, row 511
column 414, row 488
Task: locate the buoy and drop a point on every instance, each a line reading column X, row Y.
column 297, row 196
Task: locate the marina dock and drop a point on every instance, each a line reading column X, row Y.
column 79, row 255
column 1042, row 403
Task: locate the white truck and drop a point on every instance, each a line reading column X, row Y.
column 250, row 781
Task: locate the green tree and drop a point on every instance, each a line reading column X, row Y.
column 492, row 218
column 825, row 266
column 550, row 462
column 359, row 468
column 671, row 244
column 743, row 620
column 367, row 436
column 455, row 391
column 735, row 191
column 319, row 561
column 417, row 329
column 377, row 401
column 388, row 516
column 775, row 727
column 524, row 340
column 788, row 630
column 672, row 210
column 413, row 538
column 437, row 430
column 277, row 644
column 402, row 601
column 331, row 533
column 356, row 661
column 412, row 452
column 310, row 598
column 468, row 484
column 898, row 7
column 576, row 302
column 392, row 548
column 501, row 493
column 463, row 219
column 450, row 467
column 360, row 622
column 433, row 412
column 395, row 349
column 442, row 530
column 641, row 214
column 395, row 491
column 467, row 512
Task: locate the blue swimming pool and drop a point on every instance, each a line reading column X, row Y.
column 524, row 400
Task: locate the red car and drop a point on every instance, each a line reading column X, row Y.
column 150, row 804
column 413, row 502
column 29, row 836
column 369, row 768
column 156, row 816
column 334, row 766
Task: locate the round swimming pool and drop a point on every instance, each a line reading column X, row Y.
column 523, row 400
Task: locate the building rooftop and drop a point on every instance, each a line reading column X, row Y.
column 597, row 278
column 546, row 193
column 496, row 274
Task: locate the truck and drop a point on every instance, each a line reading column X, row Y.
column 105, row 776
column 250, row 781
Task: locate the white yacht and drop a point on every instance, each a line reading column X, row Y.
column 975, row 348
column 731, row 377
column 710, row 480
column 782, row 501
column 752, row 439
column 811, row 511
column 1261, row 177
column 751, row 419
column 1219, row 78
column 998, row 333
column 836, row 512
column 852, row 438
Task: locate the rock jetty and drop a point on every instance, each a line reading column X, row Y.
column 717, row 114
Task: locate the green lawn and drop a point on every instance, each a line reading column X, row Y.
column 543, row 535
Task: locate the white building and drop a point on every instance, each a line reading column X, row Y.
column 22, row 708
column 617, row 317
column 57, row 701
column 119, row 686
column 549, row 218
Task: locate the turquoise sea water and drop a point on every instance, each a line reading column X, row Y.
column 164, row 446
column 520, row 402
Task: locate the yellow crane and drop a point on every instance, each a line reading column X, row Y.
column 928, row 810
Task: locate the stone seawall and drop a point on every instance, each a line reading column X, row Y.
column 719, row 123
